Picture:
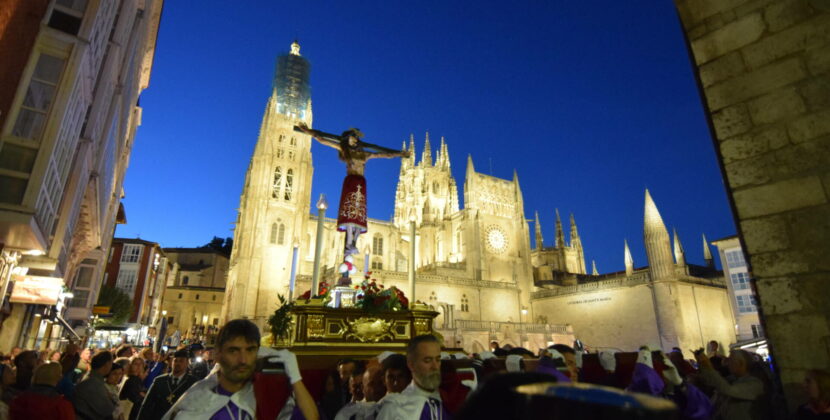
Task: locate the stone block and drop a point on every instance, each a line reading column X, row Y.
column 784, row 13
column 805, row 35
column 693, row 12
column 779, row 295
column 801, row 158
column 749, row 172
column 752, row 6
column 731, row 121
column 814, row 292
column 777, row 105
column 810, row 126
column 816, row 92
column 818, row 59
column 755, row 83
column 810, row 229
column 730, row 37
column 723, row 68
column 797, row 340
column 696, row 32
column 742, row 147
column 778, row 264
column 779, row 197
column 765, row 234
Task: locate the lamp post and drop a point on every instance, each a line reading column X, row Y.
column 412, row 261
column 523, row 334
column 318, row 246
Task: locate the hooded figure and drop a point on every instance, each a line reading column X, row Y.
column 693, row 404
column 645, row 379
column 554, row 365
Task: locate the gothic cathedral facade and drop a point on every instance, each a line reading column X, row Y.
column 474, row 264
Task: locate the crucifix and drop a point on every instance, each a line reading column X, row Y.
column 351, row 215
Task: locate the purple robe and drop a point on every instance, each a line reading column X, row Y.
column 646, row 380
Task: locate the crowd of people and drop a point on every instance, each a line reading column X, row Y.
column 127, row 383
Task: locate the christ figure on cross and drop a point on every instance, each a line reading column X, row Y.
column 351, row 215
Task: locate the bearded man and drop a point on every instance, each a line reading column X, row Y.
column 421, row 399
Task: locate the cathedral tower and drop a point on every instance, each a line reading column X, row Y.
column 274, row 205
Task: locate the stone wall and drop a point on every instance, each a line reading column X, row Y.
column 764, row 70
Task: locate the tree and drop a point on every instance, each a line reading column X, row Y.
column 121, row 306
column 222, row 245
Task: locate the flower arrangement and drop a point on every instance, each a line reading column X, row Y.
column 374, row 297
column 324, row 292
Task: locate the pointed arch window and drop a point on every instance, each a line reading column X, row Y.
column 289, row 184
column 275, row 188
column 465, row 304
column 273, row 237
column 377, row 245
column 282, row 138
column 280, row 153
column 281, row 235
column 458, row 241
column 293, row 141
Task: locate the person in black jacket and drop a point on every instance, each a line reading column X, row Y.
column 133, row 389
column 167, row 389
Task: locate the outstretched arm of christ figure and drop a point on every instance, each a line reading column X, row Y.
column 325, row 139
column 388, row 155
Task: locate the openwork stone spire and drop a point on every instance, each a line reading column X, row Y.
column 658, row 245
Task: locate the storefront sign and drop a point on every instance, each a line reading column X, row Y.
column 100, row 310
column 36, row 290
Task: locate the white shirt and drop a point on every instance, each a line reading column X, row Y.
column 407, row 405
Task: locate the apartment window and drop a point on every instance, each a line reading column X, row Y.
column 735, row 259
column 740, row 281
column 280, row 153
column 377, row 265
column 126, row 281
column 180, row 295
column 377, row 245
column 83, row 277
column 67, row 15
column 131, row 253
column 39, row 95
column 757, row 332
column 275, row 188
column 80, row 298
column 746, row 304
column 185, row 280
column 289, row 183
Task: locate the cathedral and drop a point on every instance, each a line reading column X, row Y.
column 474, row 265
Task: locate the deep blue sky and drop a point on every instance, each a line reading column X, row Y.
column 591, row 102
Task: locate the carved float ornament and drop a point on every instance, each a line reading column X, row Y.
column 314, row 326
column 369, row 330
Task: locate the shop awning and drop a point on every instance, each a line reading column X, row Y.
column 66, row 327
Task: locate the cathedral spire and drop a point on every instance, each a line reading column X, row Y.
column 658, row 246
column 679, row 255
column 540, row 241
column 629, row 262
column 426, row 156
column 594, row 271
column 560, row 234
column 575, row 241
column 707, row 253
column 411, row 149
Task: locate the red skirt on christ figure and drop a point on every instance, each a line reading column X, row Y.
column 352, row 210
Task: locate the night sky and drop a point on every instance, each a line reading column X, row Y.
column 591, row 102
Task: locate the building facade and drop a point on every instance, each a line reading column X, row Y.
column 141, row 270
column 474, row 264
column 742, row 297
column 193, row 299
column 70, row 81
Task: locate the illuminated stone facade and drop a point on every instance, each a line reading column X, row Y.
column 474, row 264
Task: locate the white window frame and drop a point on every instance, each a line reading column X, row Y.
column 131, row 253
